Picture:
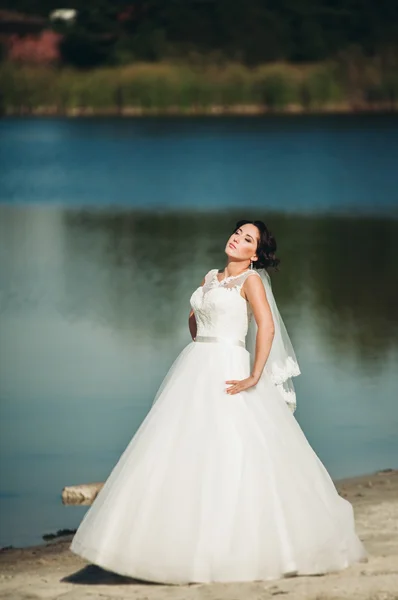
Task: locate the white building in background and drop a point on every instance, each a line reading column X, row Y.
column 63, row 14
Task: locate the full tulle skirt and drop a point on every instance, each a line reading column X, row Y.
column 218, row 487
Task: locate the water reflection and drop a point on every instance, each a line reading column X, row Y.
column 344, row 268
column 352, row 275
column 94, row 308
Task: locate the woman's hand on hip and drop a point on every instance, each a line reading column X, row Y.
column 237, row 385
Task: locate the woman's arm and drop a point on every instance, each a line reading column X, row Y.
column 254, row 293
column 192, row 321
column 256, row 296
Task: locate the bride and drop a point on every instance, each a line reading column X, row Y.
column 219, row 483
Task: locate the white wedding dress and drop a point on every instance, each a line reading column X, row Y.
column 218, row 487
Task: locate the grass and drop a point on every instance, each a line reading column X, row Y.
column 198, row 88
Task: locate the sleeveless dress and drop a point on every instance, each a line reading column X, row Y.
column 216, row 487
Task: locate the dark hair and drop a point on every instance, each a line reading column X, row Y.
column 266, row 246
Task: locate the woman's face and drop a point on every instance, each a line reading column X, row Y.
column 242, row 244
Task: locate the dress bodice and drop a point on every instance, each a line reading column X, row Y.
column 219, row 307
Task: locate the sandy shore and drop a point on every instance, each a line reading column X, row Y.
column 214, row 110
column 51, row 571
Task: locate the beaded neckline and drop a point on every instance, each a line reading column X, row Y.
column 230, row 276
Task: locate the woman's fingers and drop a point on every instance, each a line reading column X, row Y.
column 232, row 388
column 232, row 383
column 237, row 386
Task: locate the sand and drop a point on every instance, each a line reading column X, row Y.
column 52, row 571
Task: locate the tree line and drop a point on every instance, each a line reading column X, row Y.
column 251, row 32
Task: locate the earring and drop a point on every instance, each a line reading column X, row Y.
column 251, row 264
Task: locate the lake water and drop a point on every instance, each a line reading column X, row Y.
column 107, row 226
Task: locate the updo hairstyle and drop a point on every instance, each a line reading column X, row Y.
column 266, row 246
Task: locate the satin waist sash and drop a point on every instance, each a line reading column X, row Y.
column 216, row 338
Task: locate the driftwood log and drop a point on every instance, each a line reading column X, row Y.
column 85, row 494
column 82, row 495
